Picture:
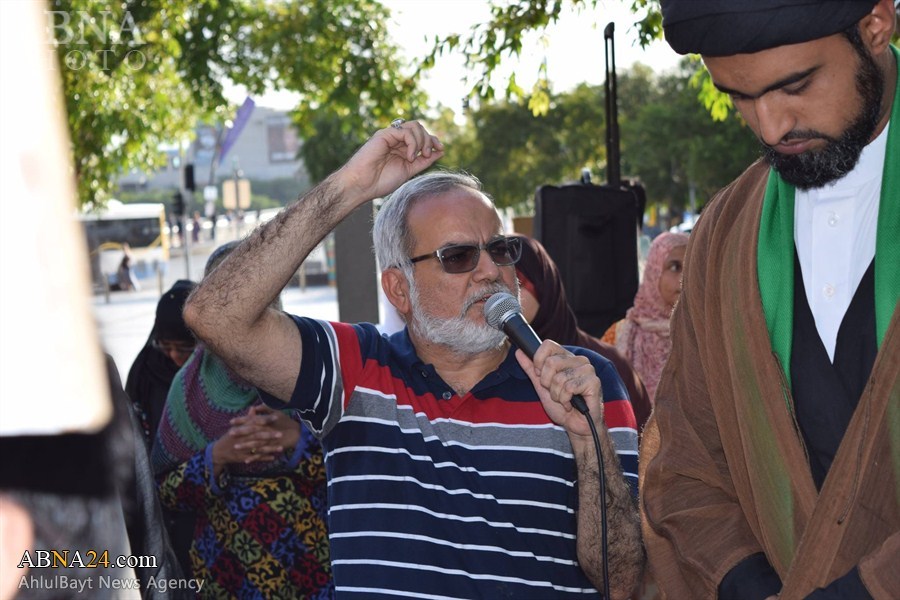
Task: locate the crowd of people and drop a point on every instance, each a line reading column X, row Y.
column 733, row 436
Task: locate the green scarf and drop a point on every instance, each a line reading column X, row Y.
column 775, row 256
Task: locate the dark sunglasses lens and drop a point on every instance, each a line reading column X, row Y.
column 459, row 259
column 504, row 251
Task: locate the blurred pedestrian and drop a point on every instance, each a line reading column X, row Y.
column 210, row 211
column 125, row 279
column 253, row 476
column 196, row 225
column 643, row 335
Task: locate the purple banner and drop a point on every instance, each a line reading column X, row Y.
column 240, row 120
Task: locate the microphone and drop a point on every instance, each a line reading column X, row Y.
column 502, row 311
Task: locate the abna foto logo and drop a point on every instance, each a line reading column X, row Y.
column 120, row 37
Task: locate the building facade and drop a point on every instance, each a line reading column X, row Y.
column 265, row 150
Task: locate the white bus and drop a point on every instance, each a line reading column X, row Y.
column 142, row 227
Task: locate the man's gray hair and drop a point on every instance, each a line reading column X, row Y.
column 391, row 235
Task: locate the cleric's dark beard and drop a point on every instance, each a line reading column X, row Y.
column 816, row 168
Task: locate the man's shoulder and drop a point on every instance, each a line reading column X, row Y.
column 322, row 329
column 602, row 364
column 744, row 187
column 610, row 379
column 595, row 357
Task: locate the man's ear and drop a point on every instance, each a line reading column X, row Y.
column 877, row 27
column 396, row 290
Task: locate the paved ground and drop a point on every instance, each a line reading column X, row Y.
column 126, row 320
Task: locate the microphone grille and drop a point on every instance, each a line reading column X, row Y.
column 498, row 309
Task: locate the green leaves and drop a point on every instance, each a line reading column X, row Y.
column 668, row 141
column 487, row 45
column 141, row 74
column 672, row 144
column 718, row 104
column 513, row 152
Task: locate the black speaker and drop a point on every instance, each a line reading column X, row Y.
column 189, row 183
column 590, row 231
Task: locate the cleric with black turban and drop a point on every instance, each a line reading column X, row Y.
column 770, row 467
column 726, row 27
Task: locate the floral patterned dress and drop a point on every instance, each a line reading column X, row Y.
column 260, row 529
column 257, row 536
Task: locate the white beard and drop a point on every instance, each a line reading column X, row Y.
column 459, row 334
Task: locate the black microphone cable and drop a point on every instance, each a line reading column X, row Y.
column 502, row 311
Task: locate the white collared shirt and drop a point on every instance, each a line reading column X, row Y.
column 834, row 230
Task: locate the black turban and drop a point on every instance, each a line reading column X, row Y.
column 726, row 27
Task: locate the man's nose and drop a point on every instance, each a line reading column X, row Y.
column 486, row 268
column 773, row 120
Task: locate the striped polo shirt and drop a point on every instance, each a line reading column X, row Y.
column 433, row 495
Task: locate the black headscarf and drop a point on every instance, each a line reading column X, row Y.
column 555, row 320
column 727, row 27
column 152, row 372
column 169, row 324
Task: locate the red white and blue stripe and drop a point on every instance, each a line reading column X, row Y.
column 433, row 495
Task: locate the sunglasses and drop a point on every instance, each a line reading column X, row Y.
column 462, row 258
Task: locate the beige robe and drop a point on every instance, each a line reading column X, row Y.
column 724, row 472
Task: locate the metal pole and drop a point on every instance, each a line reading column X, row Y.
column 185, row 243
column 613, row 158
column 238, row 211
column 355, row 267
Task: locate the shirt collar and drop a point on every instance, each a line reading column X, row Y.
column 869, row 167
column 405, row 353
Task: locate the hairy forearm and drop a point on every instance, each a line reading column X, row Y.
column 625, row 548
column 237, row 294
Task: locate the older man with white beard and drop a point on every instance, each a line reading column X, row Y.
column 457, row 466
